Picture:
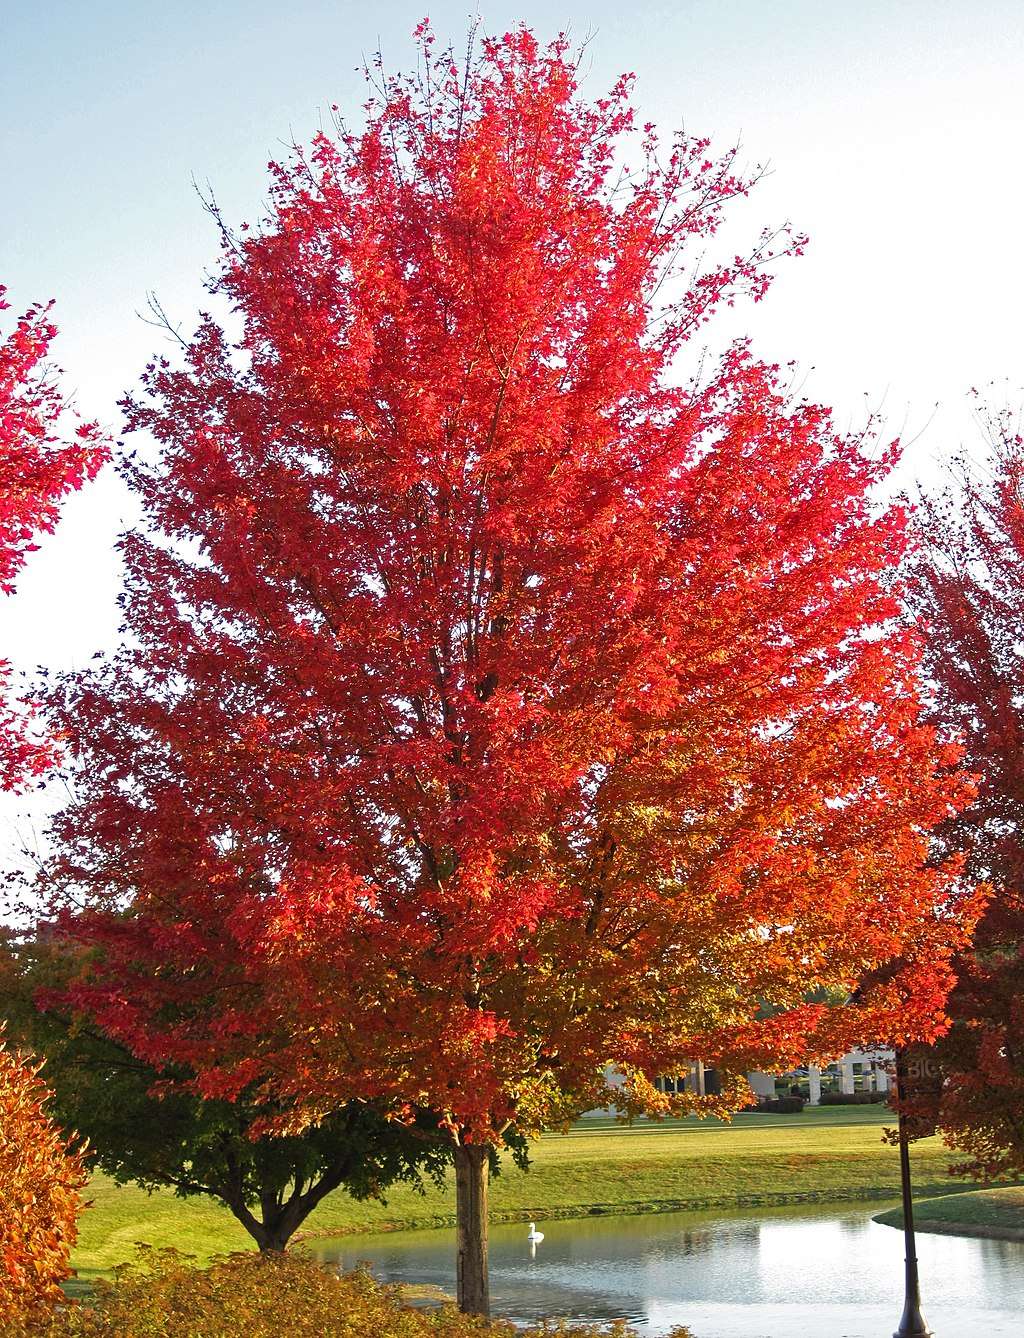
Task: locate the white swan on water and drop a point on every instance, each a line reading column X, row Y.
column 534, row 1236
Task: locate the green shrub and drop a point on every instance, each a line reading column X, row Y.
column 275, row 1296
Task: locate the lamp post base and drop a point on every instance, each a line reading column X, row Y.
column 912, row 1325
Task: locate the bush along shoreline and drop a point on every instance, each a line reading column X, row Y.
column 267, row 1295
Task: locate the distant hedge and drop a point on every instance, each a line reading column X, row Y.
column 853, row 1098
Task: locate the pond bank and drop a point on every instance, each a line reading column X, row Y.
column 646, row 1207
column 987, row 1214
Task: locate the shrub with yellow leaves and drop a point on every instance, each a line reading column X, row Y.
column 162, row 1295
column 41, row 1173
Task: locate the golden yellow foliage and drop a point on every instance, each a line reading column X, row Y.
column 268, row 1296
column 40, row 1179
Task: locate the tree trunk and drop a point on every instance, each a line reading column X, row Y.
column 471, row 1171
column 277, row 1223
column 274, row 1242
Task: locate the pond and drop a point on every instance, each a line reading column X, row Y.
column 750, row 1273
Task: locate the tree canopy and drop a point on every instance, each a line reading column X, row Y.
column 500, row 702
column 969, row 593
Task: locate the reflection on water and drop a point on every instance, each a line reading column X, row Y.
column 772, row 1273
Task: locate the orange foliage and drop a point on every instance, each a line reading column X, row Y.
column 40, row 1176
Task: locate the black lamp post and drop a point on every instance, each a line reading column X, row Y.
column 912, row 1324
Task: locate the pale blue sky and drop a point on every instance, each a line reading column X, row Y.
column 894, row 130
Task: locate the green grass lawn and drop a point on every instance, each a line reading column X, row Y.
column 998, row 1213
column 830, row 1153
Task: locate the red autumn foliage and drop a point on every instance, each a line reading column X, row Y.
column 37, row 469
column 970, row 593
column 500, row 704
column 40, row 1176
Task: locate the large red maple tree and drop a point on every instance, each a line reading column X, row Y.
column 39, row 466
column 969, row 592
column 500, row 704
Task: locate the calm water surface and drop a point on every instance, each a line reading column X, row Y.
column 772, row 1273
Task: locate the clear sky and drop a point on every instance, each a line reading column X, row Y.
column 894, row 131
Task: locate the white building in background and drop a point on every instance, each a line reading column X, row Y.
column 858, row 1071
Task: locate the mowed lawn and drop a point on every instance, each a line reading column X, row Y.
column 829, row 1153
